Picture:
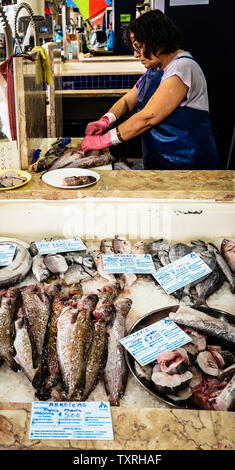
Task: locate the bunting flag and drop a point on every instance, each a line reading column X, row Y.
column 89, row 8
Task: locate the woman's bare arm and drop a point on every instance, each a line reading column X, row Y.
column 170, row 93
column 125, row 104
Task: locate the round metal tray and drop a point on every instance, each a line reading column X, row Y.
column 158, row 315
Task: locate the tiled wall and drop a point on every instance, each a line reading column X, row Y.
column 92, row 82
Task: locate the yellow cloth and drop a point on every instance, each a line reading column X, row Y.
column 43, row 68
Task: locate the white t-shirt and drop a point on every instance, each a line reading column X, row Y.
column 191, row 74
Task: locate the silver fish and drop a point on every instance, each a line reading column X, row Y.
column 75, row 274
column 228, row 252
column 39, row 268
column 18, row 269
column 204, row 323
column 163, row 256
column 178, row 251
column 223, row 266
column 56, row 264
column 23, row 347
column 225, row 401
column 100, row 267
column 115, row 372
column 211, row 284
column 67, row 158
column 157, row 245
column 8, row 299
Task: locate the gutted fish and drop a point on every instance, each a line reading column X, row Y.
column 225, row 401
column 39, row 268
column 56, row 264
column 196, row 378
column 92, row 161
column 8, row 299
column 228, row 252
column 115, row 372
column 74, row 334
column 204, row 394
column 23, row 347
column 78, row 180
column 36, row 309
column 207, row 363
column 143, row 372
column 198, row 339
column 18, row 269
column 172, row 362
column 96, row 357
column 165, row 383
column 183, row 395
column 204, row 323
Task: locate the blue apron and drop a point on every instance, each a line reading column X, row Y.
column 182, row 141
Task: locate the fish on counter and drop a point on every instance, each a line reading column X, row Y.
column 39, row 269
column 8, row 301
column 67, row 158
column 56, row 263
column 228, row 252
column 78, row 180
column 11, row 178
column 97, row 255
column 55, row 159
column 122, row 246
column 18, row 268
column 116, row 371
column 92, row 161
column 23, row 346
column 74, row 335
column 36, row 309
column 223, row 265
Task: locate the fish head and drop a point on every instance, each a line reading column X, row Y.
column 227, row 245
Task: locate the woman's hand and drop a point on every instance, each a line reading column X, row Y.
column 98, row 127
column 98, row 142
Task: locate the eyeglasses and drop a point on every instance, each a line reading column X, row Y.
column 138, row 49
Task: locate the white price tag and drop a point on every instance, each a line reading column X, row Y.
column 145, row 345
column 7, row 253
column 71, row 420
column 181, row 272
column 60, row 246
column 128, row 263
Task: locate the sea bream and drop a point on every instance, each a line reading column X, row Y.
column 115, row 372
column 74, row 334
column 36, row 308
column 8, row 299
column 97, row 255
column 228, row 252
column 123, row 246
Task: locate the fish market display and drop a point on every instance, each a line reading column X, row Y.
column 10, row 178
column 78, row 180
column 90, row 162
column 62, row 317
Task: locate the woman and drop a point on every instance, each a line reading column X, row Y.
column 171, row 100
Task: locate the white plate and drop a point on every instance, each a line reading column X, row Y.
column 55, row 177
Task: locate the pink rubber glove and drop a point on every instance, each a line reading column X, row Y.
column 98, row 127
column 97, row 142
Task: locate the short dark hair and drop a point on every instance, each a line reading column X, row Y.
column 154, row 30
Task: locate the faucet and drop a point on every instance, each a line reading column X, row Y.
column 7, row 32
column 32, row 22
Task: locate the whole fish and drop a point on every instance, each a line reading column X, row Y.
column 18, row 268
column 104, row 310
column 92, row 161
column 75, row 274
column 222, row 263
column 115, row 372
column 74, row 334
column 100, row 267
column 106, row 246
column 139, row 248
column 36, row 309
column 56, row 264
column 163, row 256
column 204, row 323
column 50, row 364
column 121, row 246
column 110, row 291
column 67, row 158
column 8, row 299
column 39, row 268
column 157, row 245
column 208, row 258
column 228, row 252
column 211, row 284
column 198, row 246
column 23, row 347
column 178, row 251
column 78, row 180
column 96, row 357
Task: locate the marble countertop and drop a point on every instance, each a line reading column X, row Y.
column 215, row 185
column 134, row 429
